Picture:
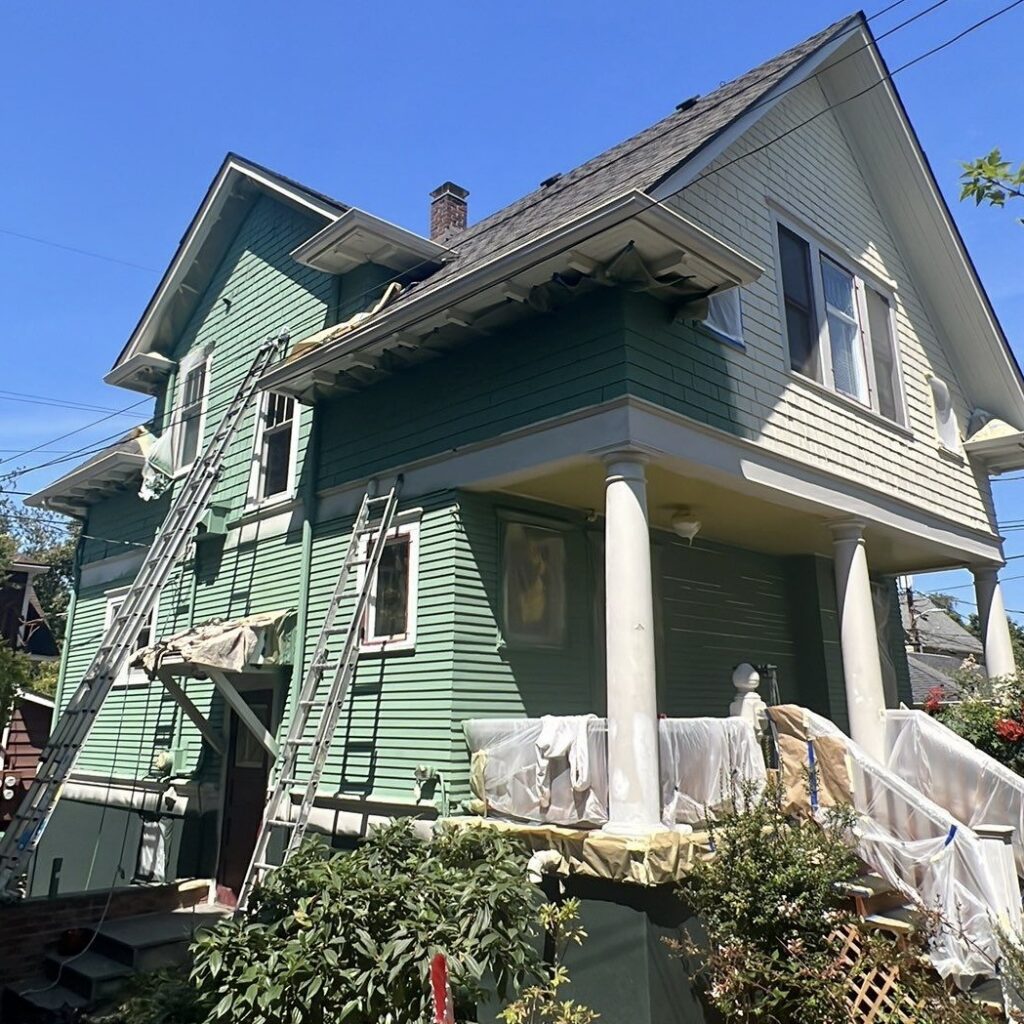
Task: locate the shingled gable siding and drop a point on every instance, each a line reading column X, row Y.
column 814, row 175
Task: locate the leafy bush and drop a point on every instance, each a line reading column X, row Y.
column 540, row 1004
column 989, row 714
column 771, row 901
column 163, row 997
column 349, row 937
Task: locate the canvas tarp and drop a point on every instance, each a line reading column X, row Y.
column 237, row 645
column 919, row 848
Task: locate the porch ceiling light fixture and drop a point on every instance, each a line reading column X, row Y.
column 685, row 525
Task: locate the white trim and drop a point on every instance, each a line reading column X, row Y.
column 369, row 643
column 701, row 450
column 257, row 470
column 130, row 678
column 190, row 362
column 208, row 213
column 862, row 279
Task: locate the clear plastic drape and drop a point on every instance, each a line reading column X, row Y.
column 972, row 786
column 918, row 847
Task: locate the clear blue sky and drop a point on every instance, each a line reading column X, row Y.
column 116, row 115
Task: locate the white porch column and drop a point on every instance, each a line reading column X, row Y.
column 862, row 668
column 995, row 631
column 634, row 790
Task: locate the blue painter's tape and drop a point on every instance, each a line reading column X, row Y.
column 812, row 775
column 951, row 836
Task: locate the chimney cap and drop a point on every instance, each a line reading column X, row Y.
column 451, row 189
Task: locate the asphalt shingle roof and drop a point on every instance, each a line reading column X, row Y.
column 640, row 162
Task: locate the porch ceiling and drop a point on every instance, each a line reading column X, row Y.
column 731, row 517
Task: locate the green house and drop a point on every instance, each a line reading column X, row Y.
column 693, row 404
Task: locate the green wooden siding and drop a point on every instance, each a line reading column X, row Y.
column 563, row 361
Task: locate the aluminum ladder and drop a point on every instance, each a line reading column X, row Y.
column 65, row 744
column 340, row 668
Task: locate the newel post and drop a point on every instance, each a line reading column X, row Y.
column 748, row 704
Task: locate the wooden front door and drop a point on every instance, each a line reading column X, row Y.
column 245, row 791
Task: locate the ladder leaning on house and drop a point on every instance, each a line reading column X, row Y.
column 62, row 749
column 371, row 526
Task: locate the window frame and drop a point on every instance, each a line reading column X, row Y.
column 558, row 527
column 190, row 362
column 130, row 678
column 368, row 642
column 257, row 476
column 863, row 279
column 718, row 332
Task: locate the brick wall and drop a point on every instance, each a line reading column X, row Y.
column 30, row 927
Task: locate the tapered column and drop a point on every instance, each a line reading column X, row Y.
column 995, row 630
column 634, row 792
column 862, row 668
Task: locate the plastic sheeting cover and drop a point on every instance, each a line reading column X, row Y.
column 974, row 787
column 917, row 846
column 552, row 769
column 232, row 646
column 704, row 764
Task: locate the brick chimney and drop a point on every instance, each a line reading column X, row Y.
column 448, row 209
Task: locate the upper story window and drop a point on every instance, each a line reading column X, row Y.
column 725, row 315
column 131, row 676
column 390, row 623
column 190, row 413
column 274, row 451
column 839, row 326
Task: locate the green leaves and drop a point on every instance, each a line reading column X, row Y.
column 335, row 937
column 991, row 179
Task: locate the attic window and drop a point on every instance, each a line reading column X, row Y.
column 945, row 416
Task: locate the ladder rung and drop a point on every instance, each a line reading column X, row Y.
column 283, row 822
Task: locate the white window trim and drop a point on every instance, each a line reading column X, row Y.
column 863, row 278
column 253, row 499
column 736, row 339
column 130, row 678
column 407, row 641
column 189, row 362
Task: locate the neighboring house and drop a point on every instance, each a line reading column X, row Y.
column 756, row 315
column 937, row 646
column 23, row 626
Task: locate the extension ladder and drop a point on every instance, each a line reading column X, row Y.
column 62, row 749
column 277, row 812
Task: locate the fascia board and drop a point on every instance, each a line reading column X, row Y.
column 82, row 475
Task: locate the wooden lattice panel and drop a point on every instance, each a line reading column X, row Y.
column 873, row 995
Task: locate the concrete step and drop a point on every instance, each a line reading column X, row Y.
column 152, row 941
column 39, row 1002
column 92, row 975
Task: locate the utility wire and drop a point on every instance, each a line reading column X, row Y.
column 75, row 249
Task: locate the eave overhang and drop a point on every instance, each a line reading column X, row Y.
column 105, row 474
column 358, row 237
column 224, row 207
column 144, row 371
column 668, row 242
column 997, row 446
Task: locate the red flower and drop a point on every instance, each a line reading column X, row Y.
column 1010, row 730
column 934, row 700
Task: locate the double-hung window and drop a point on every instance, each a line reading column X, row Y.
column 839, row 325
column 390, row 623
column 190, row 414
column 131, row 676
column 275, row 449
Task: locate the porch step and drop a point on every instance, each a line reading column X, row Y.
column 39, row 1002
column 152, row 941
column 872, row 894
column 899, row 920
column 989, row 995
column 91, row 975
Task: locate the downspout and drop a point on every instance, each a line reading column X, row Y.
column 76, row 576
column 309, row 511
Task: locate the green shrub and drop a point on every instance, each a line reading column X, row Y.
column 163, row 997
column 349, row 937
